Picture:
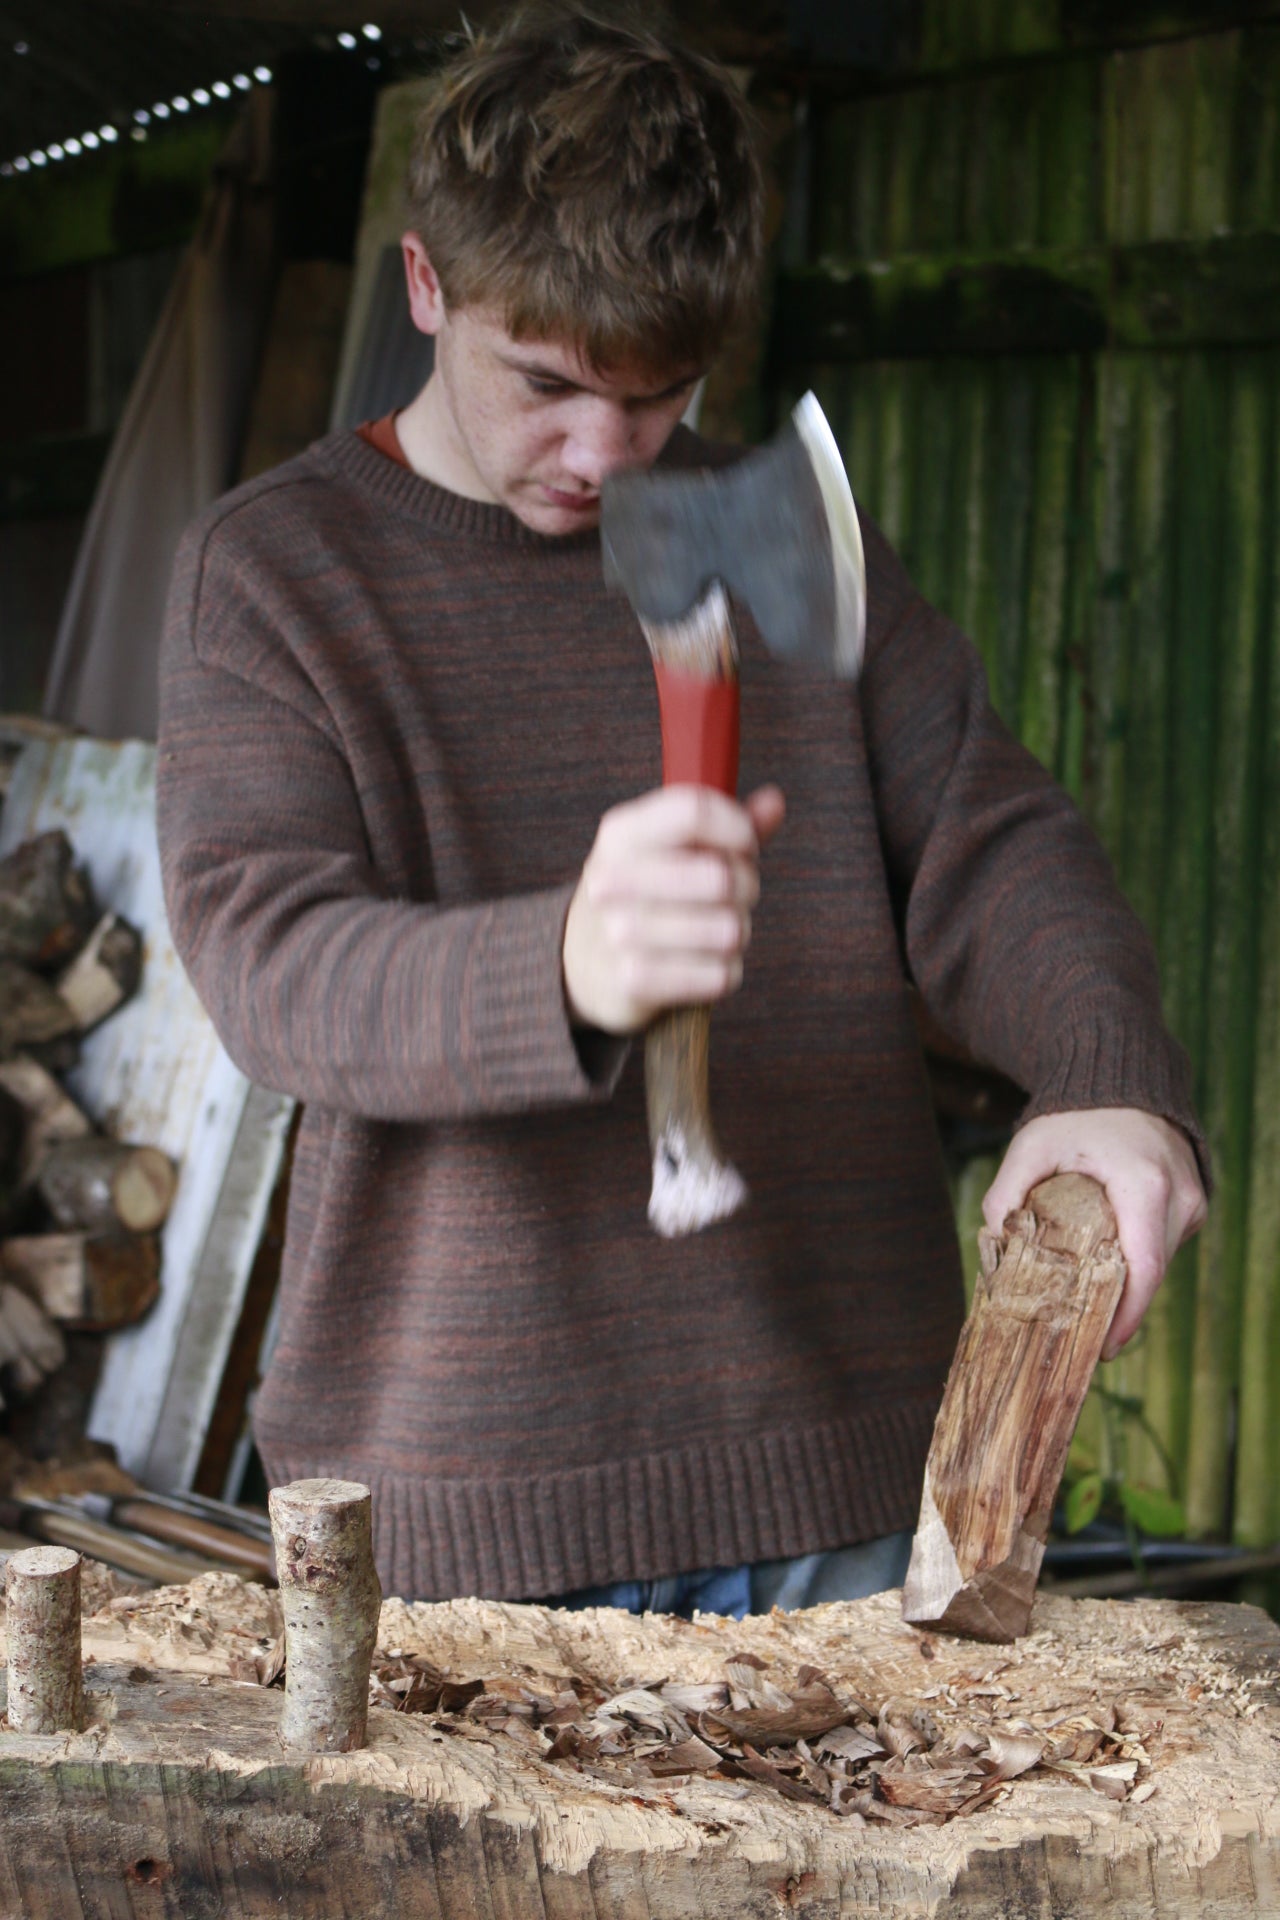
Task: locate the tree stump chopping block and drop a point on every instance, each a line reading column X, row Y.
column 179, row 1799
column 1043, row 1305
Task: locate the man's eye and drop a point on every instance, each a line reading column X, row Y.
column 548, row 387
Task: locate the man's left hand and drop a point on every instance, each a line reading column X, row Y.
column 1150, row 1175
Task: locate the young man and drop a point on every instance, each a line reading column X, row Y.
column 420, row 869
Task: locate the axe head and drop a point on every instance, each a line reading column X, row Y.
column 777, row 527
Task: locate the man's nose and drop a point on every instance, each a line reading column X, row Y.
column 599, row 443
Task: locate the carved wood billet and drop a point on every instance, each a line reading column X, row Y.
column 1042, row 1308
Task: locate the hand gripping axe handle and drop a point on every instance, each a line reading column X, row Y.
column 778, row 531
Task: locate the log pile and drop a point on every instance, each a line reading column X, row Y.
column 79, row 1211
column 1152, row 1794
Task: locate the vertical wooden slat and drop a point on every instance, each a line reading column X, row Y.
column 1106, row 753
column 1228, row 1049
column 1255, row 112
column 1159, row 1366
column 1208, row 78
column 1010, row 519
column 1257, row 1478
column 1051, row 504
column 892, row 487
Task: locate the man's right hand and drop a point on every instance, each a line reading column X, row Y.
column 662, row 913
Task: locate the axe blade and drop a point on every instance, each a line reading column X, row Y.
column 778, row 528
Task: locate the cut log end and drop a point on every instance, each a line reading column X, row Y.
column 98, row 1185
column 104, row 974
column 330, row 1596
column 42, row 1625
column 94, row 1283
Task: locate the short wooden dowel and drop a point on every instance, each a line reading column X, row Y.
column 42, row 1627
column 331, row 1598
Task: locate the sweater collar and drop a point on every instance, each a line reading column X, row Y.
column 440, row 511
column 435, row 507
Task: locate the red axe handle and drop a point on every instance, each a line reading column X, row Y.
column 693, row 1183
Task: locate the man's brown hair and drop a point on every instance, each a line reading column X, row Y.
column 589, row 181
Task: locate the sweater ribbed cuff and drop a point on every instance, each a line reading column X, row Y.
column 1104, row 1061
column 518, row 1021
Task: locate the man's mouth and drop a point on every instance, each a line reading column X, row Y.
column 573, row 502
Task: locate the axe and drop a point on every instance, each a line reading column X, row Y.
column 777, row 529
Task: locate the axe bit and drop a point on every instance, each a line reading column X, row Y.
column 779, row 530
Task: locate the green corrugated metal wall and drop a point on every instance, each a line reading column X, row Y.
column 1105, row 522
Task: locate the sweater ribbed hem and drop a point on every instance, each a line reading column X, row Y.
column 721, row 1503
column 1106, row 1061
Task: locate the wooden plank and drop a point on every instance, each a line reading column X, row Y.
column 156, row 1073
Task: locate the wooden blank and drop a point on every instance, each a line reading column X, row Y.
column 1043, row 1306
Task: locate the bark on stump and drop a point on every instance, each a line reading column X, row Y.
column 42, row 1625
column 329, row 1590
column 1044, row 1303
column 178, row 1799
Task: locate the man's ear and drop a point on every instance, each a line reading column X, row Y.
column 426, row 302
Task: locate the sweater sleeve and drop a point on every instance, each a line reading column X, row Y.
column 1014, row 928
column 321, row 984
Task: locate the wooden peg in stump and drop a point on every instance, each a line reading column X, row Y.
column 1044, row 1302
column 331, row 1598
column 42, row 1628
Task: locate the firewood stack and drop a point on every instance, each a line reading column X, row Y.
column 79, row 1211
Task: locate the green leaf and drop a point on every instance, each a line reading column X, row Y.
column 1081, row 1459
column 1083, row 1502
column 1156, row 1513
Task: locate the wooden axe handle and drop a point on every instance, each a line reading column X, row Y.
column 695, row 663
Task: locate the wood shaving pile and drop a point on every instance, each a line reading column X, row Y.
column 911, row 1761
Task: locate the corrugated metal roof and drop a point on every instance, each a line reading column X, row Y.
column 70, row 67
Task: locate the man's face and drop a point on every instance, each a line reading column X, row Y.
column 528, row 425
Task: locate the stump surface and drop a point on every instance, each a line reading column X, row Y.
column 179, row 1799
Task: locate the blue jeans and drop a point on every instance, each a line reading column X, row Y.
column 845, row 1573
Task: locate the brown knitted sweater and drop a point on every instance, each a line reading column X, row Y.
column 391, row 719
